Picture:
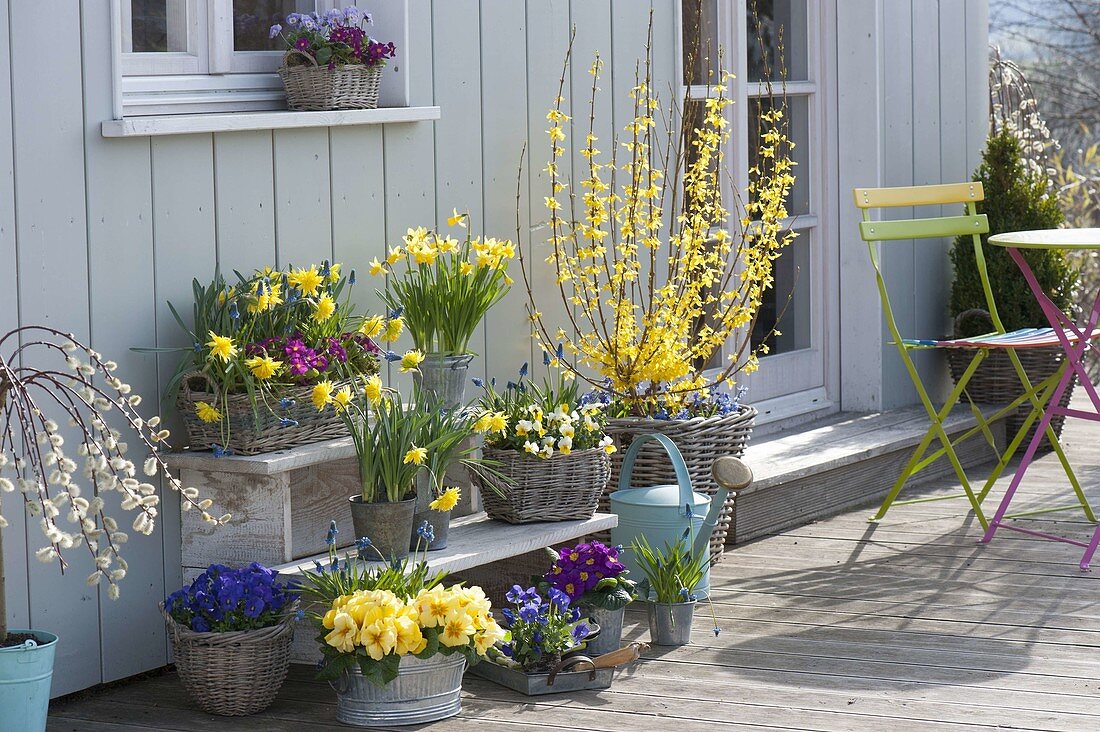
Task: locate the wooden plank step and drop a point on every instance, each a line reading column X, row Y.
column 822, row 469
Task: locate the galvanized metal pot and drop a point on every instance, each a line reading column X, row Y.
column 424, row 691
column 670, row 623
column 611, row 630
column 386, row 524
column 445, row 377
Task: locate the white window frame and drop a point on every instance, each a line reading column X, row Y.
column 797, row 381
column 210, row 77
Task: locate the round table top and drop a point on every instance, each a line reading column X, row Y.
column 1049, row 239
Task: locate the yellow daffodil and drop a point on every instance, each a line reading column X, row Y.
column 465, row 268
column 342, row 398
column 393, row 329
column 306, row 280
column 334, row 272
column 395, row 255
column 263, row 367
column 446, row 245
column 372, row 326
column 207, row 412
column 456, row 218
column 411, row 361
column 324, row 308
column 415, row 456
column 322, row 394
column 373, row 389
column 446, row 501
column 221, row 347
column 377, row 268
column 498, row 422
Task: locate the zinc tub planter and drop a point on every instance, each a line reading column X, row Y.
column 576, row 674
column 425, row 690
column 25, row 675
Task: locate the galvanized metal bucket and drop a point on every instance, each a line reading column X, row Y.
column 555, row 682
column 444, row 377
column 670, row 624
column 424, row 691
column 611, row 630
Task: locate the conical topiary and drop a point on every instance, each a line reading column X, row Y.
column 1014, row 201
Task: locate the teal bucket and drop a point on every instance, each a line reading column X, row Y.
column 25, row 675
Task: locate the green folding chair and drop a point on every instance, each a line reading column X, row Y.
column 974, row 225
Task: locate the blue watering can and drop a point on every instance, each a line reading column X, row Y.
column 662, row 513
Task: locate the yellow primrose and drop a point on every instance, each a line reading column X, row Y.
column 457, row 629
column 263, row 367
column 447, row 500
column 378, row 638
column 373, row 389
column 322, row 394
column 372, row 326
column 207, row 412
column 344, row 633
column 411, row 361
column 324, row 308
column 409, row 638
column 306, row 280
column 221, row 347
column 415, row 456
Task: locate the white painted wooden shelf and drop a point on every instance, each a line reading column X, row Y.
column 476, row 540
column 185, row 124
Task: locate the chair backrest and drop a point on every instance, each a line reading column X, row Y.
column 970, row 224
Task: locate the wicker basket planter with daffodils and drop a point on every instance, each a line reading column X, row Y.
column 548, row 448
column 265, row 351
column 331, row 62
column 443, row 287
column 231, row 631
column 66, row 477
column 660, row 295
column 395, row 641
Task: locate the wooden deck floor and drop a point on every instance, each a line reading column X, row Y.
column 839, row 625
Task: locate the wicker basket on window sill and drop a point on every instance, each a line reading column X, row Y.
column 251, row 431
column 313, row 88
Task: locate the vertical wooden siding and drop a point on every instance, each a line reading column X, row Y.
column 98, row 234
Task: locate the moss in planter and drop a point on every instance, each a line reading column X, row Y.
column 1014, row 201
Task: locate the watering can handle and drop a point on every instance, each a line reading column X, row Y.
column 683, row 479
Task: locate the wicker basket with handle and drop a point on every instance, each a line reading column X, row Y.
column 233, row 673
column 313, row 88
column 700, row 440
column 557, row 488
column 254, row 431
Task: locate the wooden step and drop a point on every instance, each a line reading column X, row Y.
column 842, row 462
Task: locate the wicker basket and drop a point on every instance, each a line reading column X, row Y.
column 314, row 88
column 558, row 488
column 995, row 382
column 233, row 673
column 254, row 431
column 700, row 440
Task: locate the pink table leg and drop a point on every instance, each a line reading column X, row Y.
column 1061, row 324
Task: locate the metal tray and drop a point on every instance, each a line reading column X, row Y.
column 555, row 682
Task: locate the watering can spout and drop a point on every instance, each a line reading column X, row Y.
column 731, row 475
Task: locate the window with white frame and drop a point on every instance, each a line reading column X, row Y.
column 780, row 36
column 188, row 56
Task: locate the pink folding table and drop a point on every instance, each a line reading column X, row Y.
column 1074, row 342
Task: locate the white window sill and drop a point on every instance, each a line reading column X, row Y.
column 186, row 124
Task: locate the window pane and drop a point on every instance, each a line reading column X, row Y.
column 798, row 115
column 158, row 26
column 786, row 306
column 700, row 41
column 776, row 16
column 252, row 21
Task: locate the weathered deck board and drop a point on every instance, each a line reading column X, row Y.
column 838, row 625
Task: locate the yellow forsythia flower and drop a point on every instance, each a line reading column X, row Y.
column 415, row 456
column 447, row 500
column 322, row 394
column 324, row 309
column 207, row 412
column 411, row 361
column 221, row 347
column 263, row 367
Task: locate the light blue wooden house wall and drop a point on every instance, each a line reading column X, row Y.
column 96, row 234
